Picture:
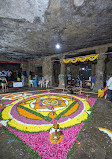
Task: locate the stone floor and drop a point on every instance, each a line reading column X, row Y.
column 94, row 144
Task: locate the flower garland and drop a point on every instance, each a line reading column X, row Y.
column 81, row 59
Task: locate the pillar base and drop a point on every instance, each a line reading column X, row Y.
column 61, row 82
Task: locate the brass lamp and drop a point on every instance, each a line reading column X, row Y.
column 55, row 135
column 87, row 97
column 52, row 108
column 24, row 100
column 80, row 91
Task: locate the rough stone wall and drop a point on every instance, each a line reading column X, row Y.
column 33, row 64
column 34, row 26
column 108, row 69
column 8, row 59
column 75, row 70
column 93, row 69
column 24, row 67
column 47, row 65
column 13, row 64
column 47, row 68
column 100, row 69
column 23, row 9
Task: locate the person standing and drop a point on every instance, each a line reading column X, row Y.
column 23, row 80
column 4, row 82
column 29, row 78
column 59, row 78
column 77, row 80
column 81, row 80
column 93, row 82
column 109, row 87
column 9, row 73
column 35, row 81
column 69, row 79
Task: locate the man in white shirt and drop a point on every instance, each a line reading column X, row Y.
column 109, row 86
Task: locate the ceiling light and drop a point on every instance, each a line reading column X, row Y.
column 58, row 46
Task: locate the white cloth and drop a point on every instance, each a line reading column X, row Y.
column 46, row 83
column 30, row 83
column 80, row 83
column 90, row 78
column 109, row 83
column 41, row 83
column 23, row 80
column 92, row 86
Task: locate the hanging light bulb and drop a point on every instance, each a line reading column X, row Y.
column 58, row 46
column 59, row 40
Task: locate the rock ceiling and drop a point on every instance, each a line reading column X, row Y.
column 31, row 28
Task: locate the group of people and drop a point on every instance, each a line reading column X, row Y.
column 34, row 81
column 5, row 78
column 11, row 75
column 31, row 80
column 107, row 90
column 80, row 81
column 40, row 81
column 37, row 81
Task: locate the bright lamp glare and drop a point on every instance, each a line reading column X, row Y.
column 57, row 46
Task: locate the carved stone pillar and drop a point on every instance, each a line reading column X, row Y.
column 47, row 68
column 100, row 68
column 62, row 76
column 93, row 69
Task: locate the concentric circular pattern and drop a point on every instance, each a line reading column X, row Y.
column 35, row 113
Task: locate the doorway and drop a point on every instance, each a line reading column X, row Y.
column 39, row 71
column 56, row 72
column 86, row 71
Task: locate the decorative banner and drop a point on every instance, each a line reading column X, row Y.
column 31, row 119
column 81, row 59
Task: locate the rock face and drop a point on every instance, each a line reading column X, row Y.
column 33, row 27
column 78, row 2
column 24, row 9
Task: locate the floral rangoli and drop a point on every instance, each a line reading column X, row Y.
column 31, row 119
